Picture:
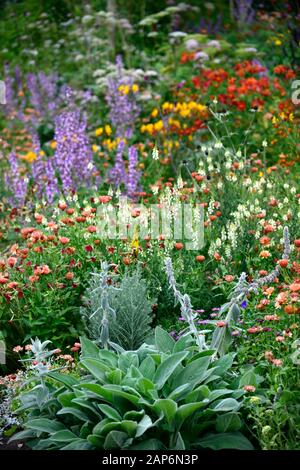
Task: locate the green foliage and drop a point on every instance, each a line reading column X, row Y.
column 155, row 397
column 130, row 326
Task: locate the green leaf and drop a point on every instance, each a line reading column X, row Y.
column 149, row 444
column 134, row 415
column 179, row 443
column 75, row 412
column 182, row 343
column 26, row 434
column 166, row 407
column 147, row 368
column 145, row 387
column 248, row 378
column 110, row 412
column 45, row 425
column 127, row 426
column 193, row 372
column 115, row 376
column 115, row 440
column 229, row 422
column 65, row 398
column 180, row 392
column 65, row 379
column 108, row 357
column 79, row 444
column 63, row 436
column 215, row 394
column 228, row 404
column 235, row 312
column 226, row 441
column 163, row 341
column 221, row 340
column 143, row 425
column 167, row 367
column 127, row 359
column 110, row 392
column 96, row 367
column 185, row 411
column 224, row 363
column 88, row 348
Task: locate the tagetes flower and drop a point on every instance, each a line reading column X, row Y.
column 30, row 157
column 99, row 131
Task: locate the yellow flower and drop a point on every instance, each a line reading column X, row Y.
column 99, row 131
column 95, row 148
column 291, row 117
column 30, row 157
column 154, row 112
column 158, row 126
column 278, row 42
column 108, row 129
column 53, row 144
column 124, row 89
column 274, row 120
column 42, row 153
column 135, row 88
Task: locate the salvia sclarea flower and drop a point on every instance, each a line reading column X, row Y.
column 133, row 175
column 11, row 91
column 73, row 158
column 186, row 308
column 117, row 174
column 16, row 183
column 123, row 107
column 51, row 188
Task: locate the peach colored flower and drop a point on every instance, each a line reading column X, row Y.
column 249, row 388
column 64, row 240
column 277, row 362
column 295, row 287
column 264, row 254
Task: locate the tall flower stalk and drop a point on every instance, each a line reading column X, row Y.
column 186, row 309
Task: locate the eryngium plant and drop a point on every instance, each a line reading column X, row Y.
column 165, row 395
column 129, row 325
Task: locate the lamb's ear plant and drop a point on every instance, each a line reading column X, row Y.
column 166, row 395
column 186, row 308
column 123, row 312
